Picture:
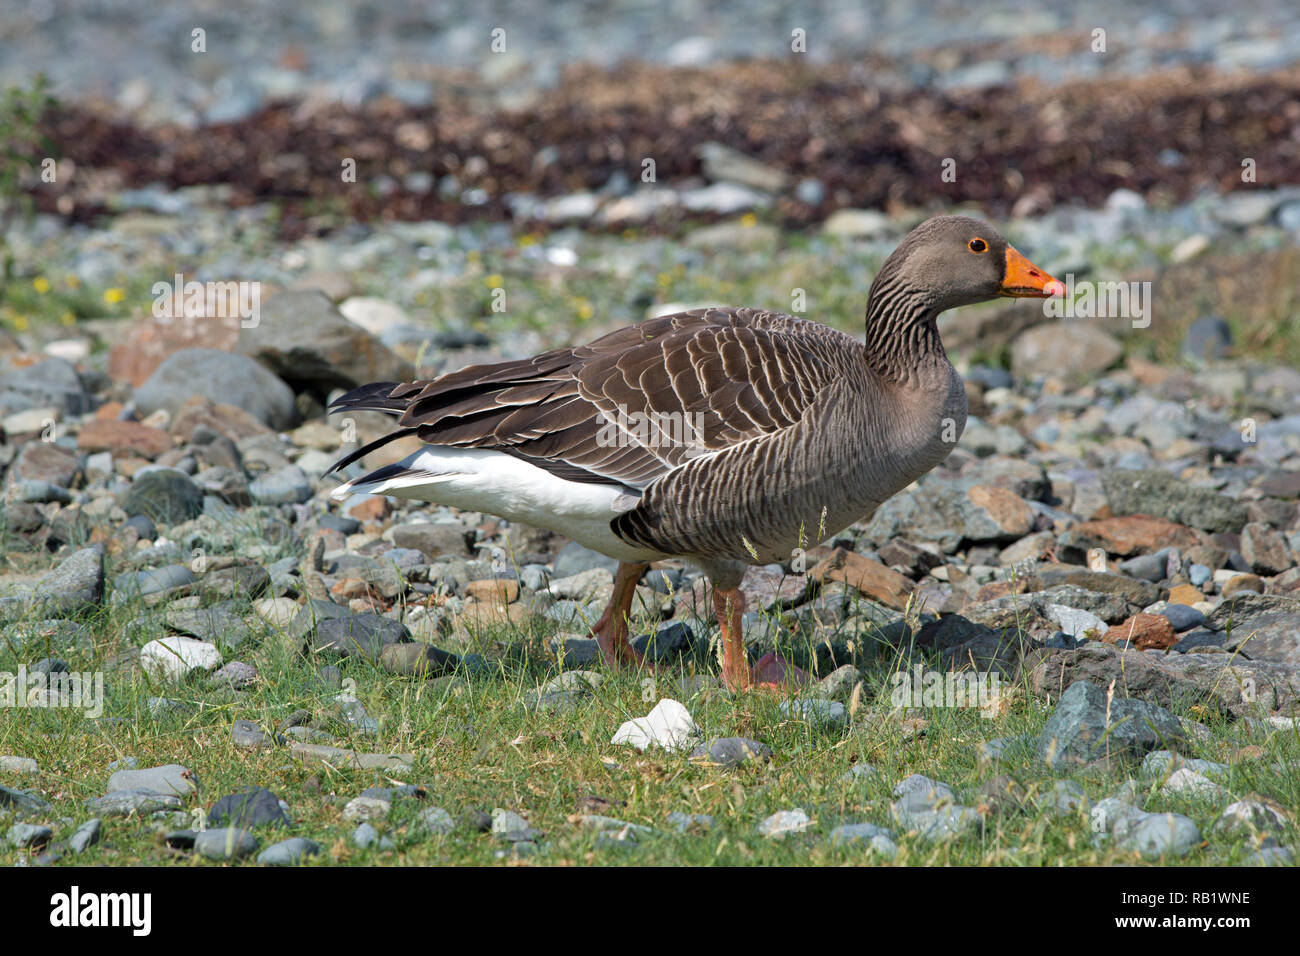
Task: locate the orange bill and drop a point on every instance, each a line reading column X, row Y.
column 1023, row 279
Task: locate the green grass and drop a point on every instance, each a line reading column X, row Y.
column 477, row 747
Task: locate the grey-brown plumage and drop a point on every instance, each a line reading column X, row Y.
column 733, row 436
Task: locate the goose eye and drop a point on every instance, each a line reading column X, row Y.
column 977, row 245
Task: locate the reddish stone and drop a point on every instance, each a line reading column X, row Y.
column 110, row 410
column 151, row 340
column 1132, row 534
column 371, row 509
column 1143, row 631
column 123, row 438
column 1243, row 582
column 1003, row 588
column 877, row 581
column 1185, row 594
column 1008, row 509
column 228, row 420
column 494, row 590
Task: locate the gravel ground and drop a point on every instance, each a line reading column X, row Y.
column 1074, row 641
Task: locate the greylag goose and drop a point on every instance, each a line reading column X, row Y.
column 724, row 436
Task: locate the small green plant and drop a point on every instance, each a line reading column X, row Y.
column 21, row 143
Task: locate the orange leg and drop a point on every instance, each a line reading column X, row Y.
column 610, row 631
column 770, row 673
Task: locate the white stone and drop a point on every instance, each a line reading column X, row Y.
column 374, row 314
column 277, row 612
column 171, row 658
column 857, row 223
column 362, row 809
column 669, row 726
column 18, row 764
column 1193, row 784
column 783, row 823
column 1075, row 622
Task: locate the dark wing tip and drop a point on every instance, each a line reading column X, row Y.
column 373, row 396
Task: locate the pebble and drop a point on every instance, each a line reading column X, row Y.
column 783, row 823
column 669, row 725
column 225, row 843
column 435, row 820
column 172, row 779
column 731, row 751
column 86, row 835
column 173, row 658
column 290, row 852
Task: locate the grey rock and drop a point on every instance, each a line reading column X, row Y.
column 1155, row 835
column 364, row 634
column 220, row 377
column 852, row 833
column 165, row 496
column 87, row 835
column 76, row 586
column 784, row 823
column 1183, row 617
column 1271, row 856
column 1264, row 549
column 308, row 343
column 216, row 625
column 932, row 791
column 53, row 382
column 574, row 558
column 435, row 821
column 1207, row 339
column 511, row 827
column 685, row 822
column 1264, row 626
column 153, row 580
column 1075, row 732
column 731, row 751
column 284, row 486
column 1163, row 495
column 171, row 779
column 672, row 640
column 290, row 852
column 1068, row 797
column 41, row 492
column 1161, row 762
column 366, row 836
column 1251, row 818
column 1064, row 349
column 29, row 835
column 225, row 843
column 122, row 803
column 1200, row 637
column 247, row 809
column 434, row 538
column 236, row 675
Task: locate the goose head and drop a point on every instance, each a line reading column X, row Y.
column 957, row 260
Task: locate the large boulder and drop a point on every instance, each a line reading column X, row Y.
column 306, row 341
column 220, row 377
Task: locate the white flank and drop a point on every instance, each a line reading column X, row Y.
column 478, row 479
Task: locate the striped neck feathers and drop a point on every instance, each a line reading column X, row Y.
column 902, row 337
